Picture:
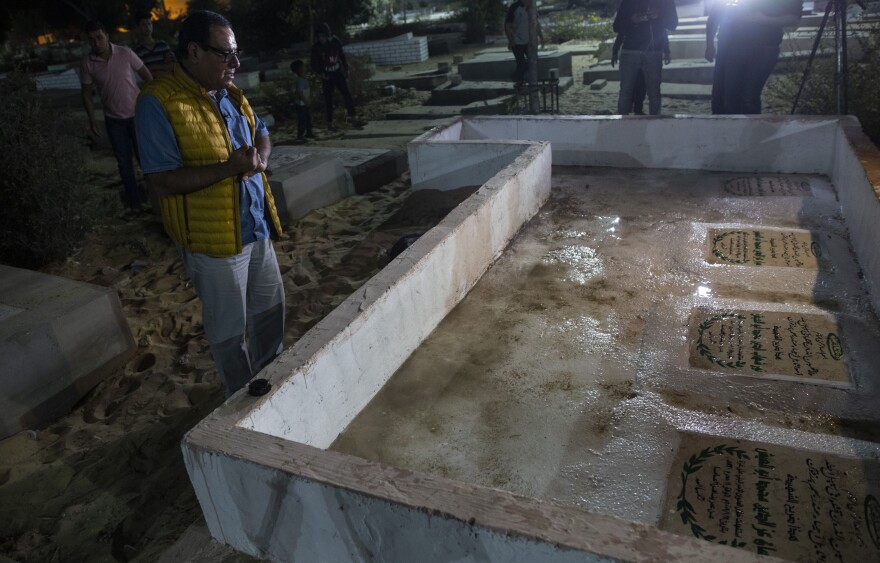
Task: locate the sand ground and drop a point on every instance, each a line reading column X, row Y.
column 107, row 481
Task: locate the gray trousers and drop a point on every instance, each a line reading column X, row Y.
column 650, row 63
column 241, row 295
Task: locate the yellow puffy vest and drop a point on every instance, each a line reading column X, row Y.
column 208, row 220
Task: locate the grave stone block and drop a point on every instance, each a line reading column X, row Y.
column 765, row 247
column 247, row 80
column 308, row 182
column 762, row 186
column 774, row 500
column 58, row 339
column 768, row 344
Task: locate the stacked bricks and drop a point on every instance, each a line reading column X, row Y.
column 402, row 49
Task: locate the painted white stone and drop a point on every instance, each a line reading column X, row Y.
column 58, row 339
column 309, row 183
column 247, row 80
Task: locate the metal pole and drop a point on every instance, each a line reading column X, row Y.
column 838, row 57
column 844, row 61
column 809, row 66
column 533, row 58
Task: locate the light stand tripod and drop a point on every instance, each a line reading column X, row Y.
column 838, row 8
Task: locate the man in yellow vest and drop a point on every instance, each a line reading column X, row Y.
column 204, row 152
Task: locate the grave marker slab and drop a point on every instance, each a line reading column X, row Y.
column 763, row 186
column 764, row 247
column 769, row 344
column 774, row 500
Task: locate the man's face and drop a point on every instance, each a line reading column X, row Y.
column 208, row 64
column 145, row 28
column 98, row 41
column 322, row 37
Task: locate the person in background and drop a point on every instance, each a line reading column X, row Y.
column 111, row 69
column 329, row 62
column 156, row 54
column 516, row 27
column 205, row 152
column 639, row 90
column 301, row 100
column 749, row 35
column 645, row 25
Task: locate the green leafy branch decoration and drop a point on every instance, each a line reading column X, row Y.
column 685, row 509
column 706, row 352
column 718, row 254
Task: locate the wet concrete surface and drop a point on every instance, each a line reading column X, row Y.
column 541, row 381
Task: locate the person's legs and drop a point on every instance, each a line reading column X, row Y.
column 120, row 133
column 755, row 75
column 730, row 65
column 630, row 68
column 341, row 84
column 328, row 101
column 301, row 116
column 265, row 305
column 308, row 118
column 638, row 95
column 221, row 285
column 718, row 86
column 652, row 68
column 520, row 53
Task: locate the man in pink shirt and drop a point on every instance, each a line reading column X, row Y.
column 111, row 68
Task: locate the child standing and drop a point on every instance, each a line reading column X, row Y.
column 301, row 102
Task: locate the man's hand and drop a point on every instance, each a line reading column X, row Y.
column 613, row 59
column 667, row 57
column 710, row 52
column 93, row 129
column 245, row 161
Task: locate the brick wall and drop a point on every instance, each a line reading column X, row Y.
column 402, row 49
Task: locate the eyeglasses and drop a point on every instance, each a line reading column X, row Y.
column 227, row 55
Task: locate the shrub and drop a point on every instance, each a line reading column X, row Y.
column 47, row 206
column 566, row 26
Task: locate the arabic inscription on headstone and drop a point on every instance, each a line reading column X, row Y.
column 767, row 186
column 764, row 247
column 774, row 500
column 774, row 345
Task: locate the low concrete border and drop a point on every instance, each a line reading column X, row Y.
column 267, row 486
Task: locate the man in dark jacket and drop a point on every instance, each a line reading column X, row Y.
column 749, row 35
column 645, row 25
column 329, row 62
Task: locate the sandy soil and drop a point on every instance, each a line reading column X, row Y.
column 107, row 481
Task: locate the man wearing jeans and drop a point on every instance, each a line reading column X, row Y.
column 204, row 151
column 111, row 68
column 645, row 25
column 516, row 27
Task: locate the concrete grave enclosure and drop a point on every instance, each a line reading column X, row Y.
column 261, row 467
column 58, row 339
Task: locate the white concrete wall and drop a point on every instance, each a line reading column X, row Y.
column 730, row 143
column 403, row 49
column 856, row 175
column 337, row 367
column 284, row 509
column 449, row 165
